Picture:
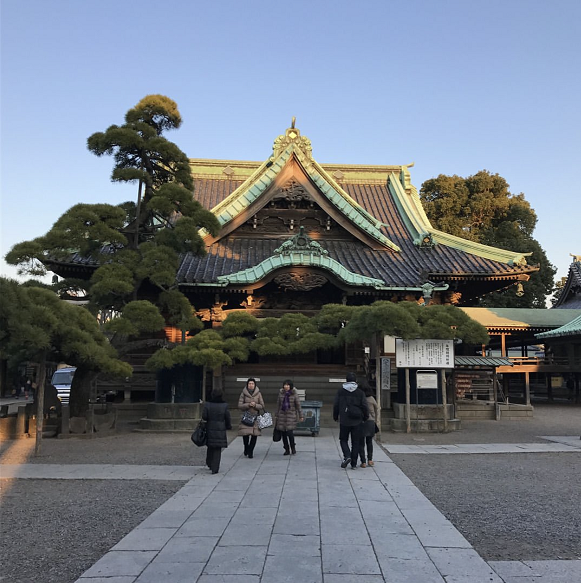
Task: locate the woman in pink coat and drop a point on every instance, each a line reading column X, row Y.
column 250, row 400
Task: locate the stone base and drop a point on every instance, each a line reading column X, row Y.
column 99, row 422
column 481, row 410
column 424, row 418
column 423, row 425
column 170, row 417
column 515, row 412
column 423, row 412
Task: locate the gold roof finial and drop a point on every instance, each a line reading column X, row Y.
column 292, row 136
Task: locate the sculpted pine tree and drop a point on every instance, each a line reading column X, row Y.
column 38, row 326
column 481, row 208
column 131, row 251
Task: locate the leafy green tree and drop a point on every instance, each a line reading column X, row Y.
column 290, row 334
column 134, row 247
column 37, row 325
column 481, row 208
column 209, row 349
column 408, row 320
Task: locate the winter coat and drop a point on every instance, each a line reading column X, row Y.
column 373, row 408
column 244, row 405
column 218, row 419
column 350, row 397
column 287, row 420
column 370, row 425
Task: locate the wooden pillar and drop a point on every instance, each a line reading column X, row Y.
column 444, row 398
column 505, row 386
column 503, row 345
column 378, row 352
column 527, row 388
column 408, row 414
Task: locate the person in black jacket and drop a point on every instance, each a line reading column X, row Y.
column 350, row 409
column 217, row 416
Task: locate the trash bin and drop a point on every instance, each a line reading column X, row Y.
column 312, row 417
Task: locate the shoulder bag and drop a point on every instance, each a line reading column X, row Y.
column 264, row 420
column 200, row 434
column 248, row 418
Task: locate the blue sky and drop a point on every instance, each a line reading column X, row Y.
column 454, row 86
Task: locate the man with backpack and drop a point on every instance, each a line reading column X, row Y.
column 351, row 410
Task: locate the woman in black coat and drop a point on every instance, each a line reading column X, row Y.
column 217, row 416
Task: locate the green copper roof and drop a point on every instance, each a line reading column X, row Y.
column 489, row 361
column 494, row 253
column 521, row 317
column 418, row 224
column 572, row 328
column 301, row 251
column 262, row 179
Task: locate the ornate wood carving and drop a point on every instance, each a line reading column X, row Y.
column 300, row 281
column 292, row 196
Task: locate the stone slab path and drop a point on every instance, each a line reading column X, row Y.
column 299, row 519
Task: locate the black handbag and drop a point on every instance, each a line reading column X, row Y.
column 276, row 435
column 248, row 418
column 200, row 434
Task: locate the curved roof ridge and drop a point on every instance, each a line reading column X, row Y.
column 416, row 223
column 363, row 218
column 486, row 251
column 296, row 259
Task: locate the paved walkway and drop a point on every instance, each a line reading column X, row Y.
column 300, row 519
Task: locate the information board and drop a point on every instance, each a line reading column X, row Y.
column 427, row 379
column 385, row 373
column 424, row 353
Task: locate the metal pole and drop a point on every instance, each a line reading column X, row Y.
column 378, row 381
column 408, row 418
column 444, row 399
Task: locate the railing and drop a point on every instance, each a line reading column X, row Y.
column 546, row 361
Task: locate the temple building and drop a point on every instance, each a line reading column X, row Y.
column 296, row 234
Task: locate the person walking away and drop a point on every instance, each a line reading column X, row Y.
column 350, row 409
column 369, row 426
column 217, row 416
column 250, row 400
column 288, row 410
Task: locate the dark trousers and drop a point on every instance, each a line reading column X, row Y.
column 213, row 457
column 288, row 437
column 355, row 432
column 249, row 443
column 366, row 441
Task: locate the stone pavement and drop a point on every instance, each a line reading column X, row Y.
column 299, row 519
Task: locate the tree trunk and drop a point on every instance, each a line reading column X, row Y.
column 40, row 383
column 4, row 378
column 81, row 391
column 217, row 378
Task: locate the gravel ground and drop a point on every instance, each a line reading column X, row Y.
column 508, row 506
column 52, row 531
column 511, row 507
